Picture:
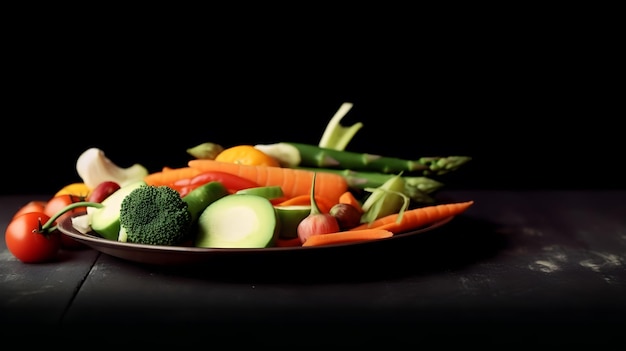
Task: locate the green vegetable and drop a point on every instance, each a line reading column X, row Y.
column 289, row 218
column 306, row 155
column 106, row 220
column 206, row 151
column 337, row 136
column 270, row 192
column 157, row 215
column 417, row 188
column 385, row 200
column 238, row 221
column 199, row 198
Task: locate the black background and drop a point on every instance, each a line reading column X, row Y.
column 534, row 107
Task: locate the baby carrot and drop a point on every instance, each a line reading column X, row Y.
column 292, row 242
column 350, row 236
column 349, row 199
column 416, row 218
column 324, row 204
column 294, row 182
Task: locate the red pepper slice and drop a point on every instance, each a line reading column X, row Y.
column 230, row 181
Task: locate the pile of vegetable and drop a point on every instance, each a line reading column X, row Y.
column 244, row 196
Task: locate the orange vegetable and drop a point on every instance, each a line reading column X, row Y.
column 167, row 176
column 349, row 236
column 292, row 242
column 246, row 155
column 349, row 199
column 417, row 217
column 324, row 204
column 78, row 189
column 294, row 182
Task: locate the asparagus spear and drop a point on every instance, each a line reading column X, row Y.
column 417, row 188
column 205, row 150
column 307, row 155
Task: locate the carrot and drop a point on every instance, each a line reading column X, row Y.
column 324, row 204
column 294, row 182
column 167, row 176
column 292, row 242
column 350, row 236
column 349, row 199
column 416, row 218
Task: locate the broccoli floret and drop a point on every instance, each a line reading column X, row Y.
column 154, row 215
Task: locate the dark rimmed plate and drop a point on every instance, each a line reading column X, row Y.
column 180, row 255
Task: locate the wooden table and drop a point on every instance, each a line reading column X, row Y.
column 517, row 268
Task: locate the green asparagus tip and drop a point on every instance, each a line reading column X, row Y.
column 438, row 165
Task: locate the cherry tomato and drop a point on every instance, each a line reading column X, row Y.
column 102, row 191
column 28, row 241
column 32, row 206
column 56, row 204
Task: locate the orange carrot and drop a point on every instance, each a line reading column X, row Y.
column 350, row 236
column 349, row 199
column 292, row 242
column 324, row 204
column 167, row 176
column 294, row 182
column 417, row 217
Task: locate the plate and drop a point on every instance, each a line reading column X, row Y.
column 181, row 255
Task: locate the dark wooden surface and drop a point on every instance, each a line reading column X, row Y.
column 518, row 268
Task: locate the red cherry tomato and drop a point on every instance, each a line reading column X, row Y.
column 31, row 206
column 102, row 191
column 28, row 241
column 56, row 204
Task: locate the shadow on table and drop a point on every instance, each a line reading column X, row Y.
column 461, row 242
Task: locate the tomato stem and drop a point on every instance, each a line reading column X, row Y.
column 49, row 225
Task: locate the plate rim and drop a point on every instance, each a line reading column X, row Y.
column 101, row 244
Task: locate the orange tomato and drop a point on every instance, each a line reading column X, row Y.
column 246, row 155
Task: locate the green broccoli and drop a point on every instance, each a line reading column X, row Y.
column 158, row 215
column 154, row 215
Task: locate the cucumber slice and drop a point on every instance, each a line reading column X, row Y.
column 270, row 192
column 289, row 217
column 106, row 220
column 238, row 221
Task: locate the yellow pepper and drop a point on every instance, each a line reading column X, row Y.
column 76, row 189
